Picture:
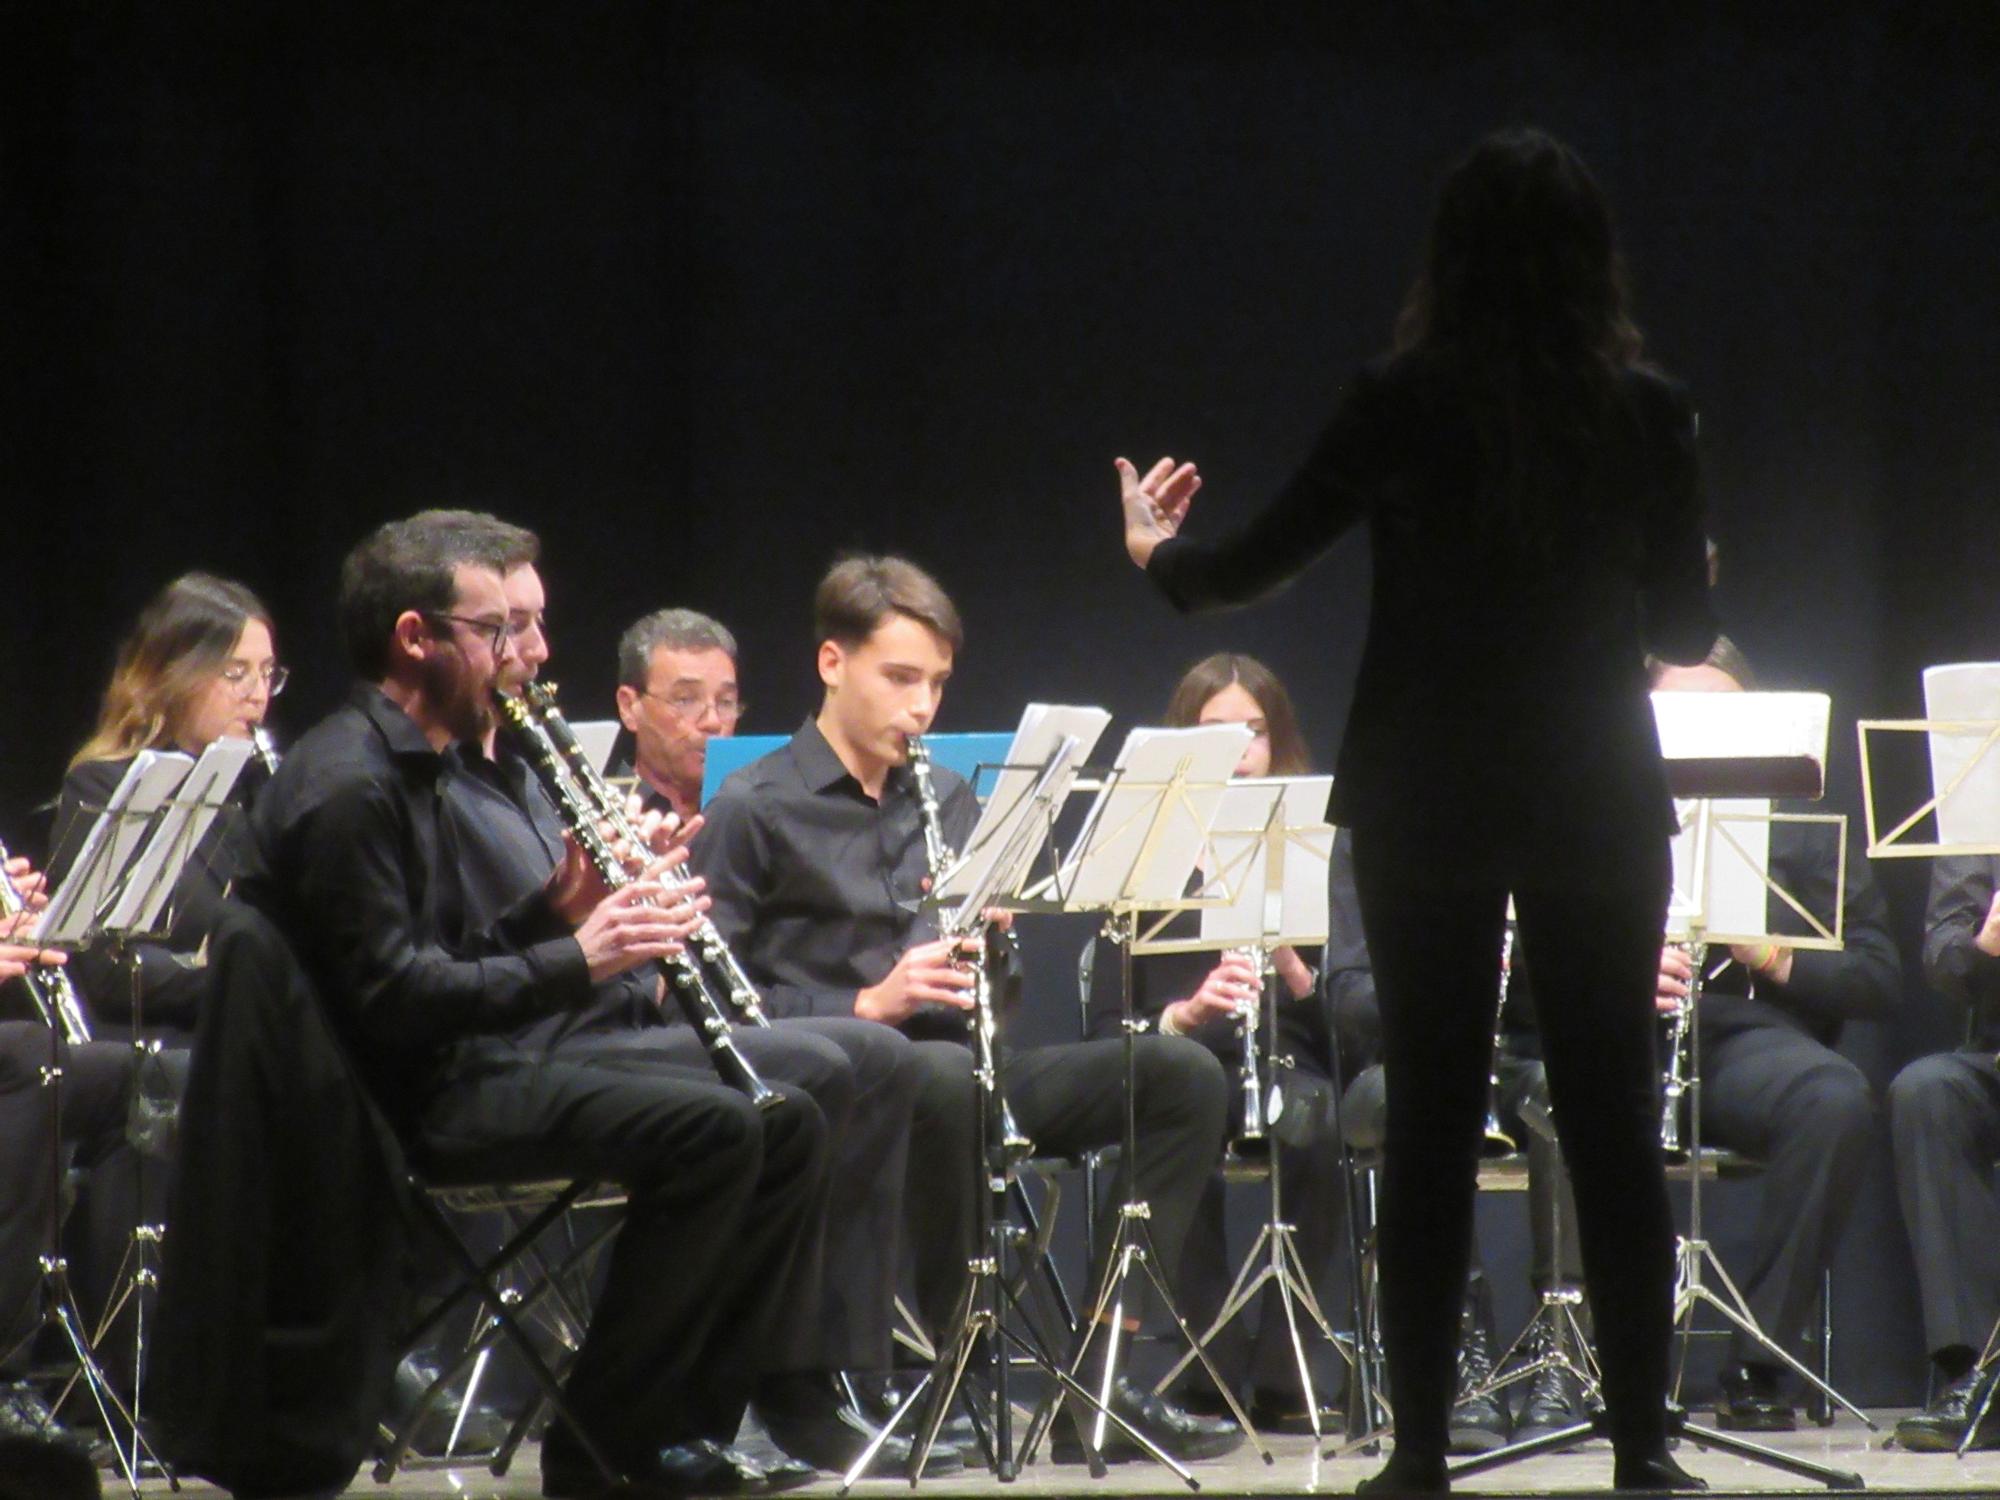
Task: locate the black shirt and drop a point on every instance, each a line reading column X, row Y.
column 504, row 838
column 349, row 859
column 816, row 886
column 1501, row 709
column 1962, row 887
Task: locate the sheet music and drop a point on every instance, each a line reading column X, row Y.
column 1044, row 726
column 112, row 843
column 1733, row 898
column 1966, row 693
column 1111, row 863
column 1293, row 909
column 181, row 828
column 1743, row 726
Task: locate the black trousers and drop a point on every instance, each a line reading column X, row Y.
column 1944, row 1128
column 1066, row 1098
column 719, row 1196
column 1591, row 929
column 95, row 1091
column 1805, row 1111
column 838, row 1313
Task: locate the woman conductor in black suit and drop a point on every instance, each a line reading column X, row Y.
column 1534, row 517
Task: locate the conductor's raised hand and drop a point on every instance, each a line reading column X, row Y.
column 931, row 973
column 1155, row 505
column 636, row 925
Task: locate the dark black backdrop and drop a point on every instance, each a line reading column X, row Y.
column 707, row 293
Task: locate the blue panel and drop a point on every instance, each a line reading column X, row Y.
column 963, row 753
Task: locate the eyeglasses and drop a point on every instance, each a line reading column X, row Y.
column 495, row 631
column 240, row 675
column 691, row 706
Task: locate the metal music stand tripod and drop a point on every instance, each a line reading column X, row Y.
column 1134, row 856
column 979, row 1322
column 1280, row 900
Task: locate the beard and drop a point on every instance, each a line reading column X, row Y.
column 459, row 698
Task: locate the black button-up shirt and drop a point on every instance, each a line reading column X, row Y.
column 350, row 859
column 817, row 886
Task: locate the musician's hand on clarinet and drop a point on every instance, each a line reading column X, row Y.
column 1230, row 986
column 636, row 925
column 664, row 832
column 1676, row 975
column 29, row 883
column 931, row 973
column 576, row 887
column 16, row 960
column 1154, row 505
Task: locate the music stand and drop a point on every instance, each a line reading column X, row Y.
column 1139, row 844
column 124, row 880
column 1017, row 821
column 1273, row 847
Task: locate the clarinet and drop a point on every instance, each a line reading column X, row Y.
column 938, row 856
column 1250, row 1140
column 1674, row 1076
column 682, row 973
column 267, row 751
column 49, row 987
column 707, row 940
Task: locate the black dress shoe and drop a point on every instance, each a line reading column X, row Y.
column 1554, row 1400
column 1940, row 1427
column 675, row 1472
column 1751, row 1403
column 1284, row 1412
column 24, row 1414
column 1479, row 1417
column 1407, row 1474
column 1656, row 1474
column 1176, row 1433
column 811, row 1419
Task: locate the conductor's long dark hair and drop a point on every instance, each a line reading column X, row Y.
column 1522, row 291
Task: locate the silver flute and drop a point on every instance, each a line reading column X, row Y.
column 938, row 856
column 49, row 987
column 706, row 939
column 584, row 820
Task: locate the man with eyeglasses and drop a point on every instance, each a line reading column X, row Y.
column 355, row 861
column 676, row 692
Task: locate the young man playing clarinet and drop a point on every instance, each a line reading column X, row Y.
column 815, row 862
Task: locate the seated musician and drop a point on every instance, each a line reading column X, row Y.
column 1200, row 995
column 349, row 861
column 836, row 1315
column 815, row 861
column 1944, row 1127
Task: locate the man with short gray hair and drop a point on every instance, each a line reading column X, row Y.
column 676, row 691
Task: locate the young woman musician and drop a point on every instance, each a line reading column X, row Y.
column 1534, row 518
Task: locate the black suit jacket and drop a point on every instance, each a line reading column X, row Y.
column 1501, row 708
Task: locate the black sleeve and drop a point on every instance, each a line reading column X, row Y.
column 1961, row 893
column 350, row 867
column 1322, row 500
column 1863, row 980
column 733, row 854
column 1350, row 975
column 1677, row 621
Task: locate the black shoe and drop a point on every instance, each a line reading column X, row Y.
column 1479, row 1419
column 1182, row 1437
column 1284, row 1412
column 1555, row 1397
column 24, row 1414
column 1407, row 1474
column 882, row 1396
column 812, row 1420
column 675, row 1472
column 482, row 1431
column 1658, row 1475
column 1940, row 1427
column 1751, row 1403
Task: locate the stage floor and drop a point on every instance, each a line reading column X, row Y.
column 1296, row 1471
